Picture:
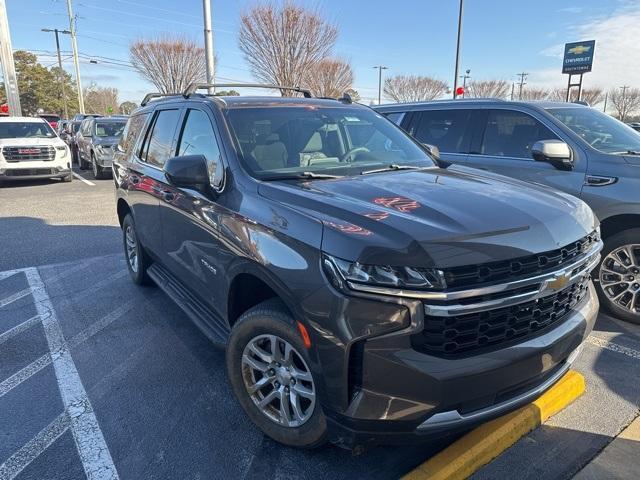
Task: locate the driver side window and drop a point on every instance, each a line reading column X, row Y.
column 198, row 138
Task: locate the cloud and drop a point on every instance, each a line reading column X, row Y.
column 616, row 53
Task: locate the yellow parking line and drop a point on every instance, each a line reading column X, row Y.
column 477, row 448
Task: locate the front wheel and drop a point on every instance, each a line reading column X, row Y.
column 137, row 260
column 98, row 171
column 269, row 372
column 618, row 276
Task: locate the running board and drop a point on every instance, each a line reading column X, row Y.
column 202, row 315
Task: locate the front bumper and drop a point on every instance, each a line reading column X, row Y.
column 105, row 160
column 379, row 389
column 33, row 173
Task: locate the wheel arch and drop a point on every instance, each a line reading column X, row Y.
column 618, row 223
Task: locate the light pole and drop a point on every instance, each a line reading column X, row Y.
column 74, row 47
column 380, row 68
column 208, row 43
column 464, row 82
column 455, row 75
column 62, row 82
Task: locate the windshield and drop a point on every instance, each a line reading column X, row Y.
column 109, row 129
column 50, row 118
column 599, row 130
column 26, row 130
column 288, row 141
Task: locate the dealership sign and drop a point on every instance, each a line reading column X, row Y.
column 578, row 57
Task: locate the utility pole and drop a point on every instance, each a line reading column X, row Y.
column 62, row 82
column 74, row 47
column 513, row 87
column 623, row 112
column 455, row 75
column 208, row 43
column 606, row 97
column 464, row 82
column 523, row 77
column 380, row 68
column 8, row 67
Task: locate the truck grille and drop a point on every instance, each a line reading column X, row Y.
column 25, row 172
column 504, row 271
column 29, row 154
column 456, row 335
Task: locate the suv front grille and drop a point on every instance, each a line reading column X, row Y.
column 505, row 271
column 456, row 335
column 29, row 154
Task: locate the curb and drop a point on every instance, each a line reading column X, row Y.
column 477, row 448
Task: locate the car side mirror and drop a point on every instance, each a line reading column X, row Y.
column 555, row 152
column 433, row 150
column 189, row 171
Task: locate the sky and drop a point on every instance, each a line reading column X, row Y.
column 500, row 37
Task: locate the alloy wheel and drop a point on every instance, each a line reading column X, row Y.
column 278, row 380
column 132, row 248
column 620, row 277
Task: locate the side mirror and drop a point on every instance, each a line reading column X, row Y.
column 555, row 152
column 433, row 150
column 189, row 171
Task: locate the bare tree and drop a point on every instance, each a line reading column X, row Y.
column 413, row 88
column 625, row 101
column 329, row 78
column 487, row 89
column 102, row 100
column 281, row 43
column 592, row 96
column 535, row 94
column 171, row 63
column 354, row 94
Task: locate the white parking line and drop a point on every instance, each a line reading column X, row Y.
column 18, row 329
column 34, row 447
column 614, row 347
column 94, row 453
column 82, row 179
column 16, row 296
column 24, row 374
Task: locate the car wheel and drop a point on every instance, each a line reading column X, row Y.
column 618, row 276
column 68, row 178
column 98, row 171
column 268, row 368
column 137, row 260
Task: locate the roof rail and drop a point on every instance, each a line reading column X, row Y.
column 199, row 86
column 150, row 96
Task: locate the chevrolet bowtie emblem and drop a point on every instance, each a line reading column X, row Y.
column 559, row 282
column 579, row 49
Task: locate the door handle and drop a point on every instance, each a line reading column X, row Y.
column 599, row 181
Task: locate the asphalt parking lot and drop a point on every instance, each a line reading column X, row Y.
column 100, row 378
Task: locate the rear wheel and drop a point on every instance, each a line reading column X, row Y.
column 618, row 276
column 269, row 372
column 137, row 260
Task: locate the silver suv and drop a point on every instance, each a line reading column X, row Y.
column 96, row 140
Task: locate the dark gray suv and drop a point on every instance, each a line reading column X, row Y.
column 567, row 146
column 363, row 292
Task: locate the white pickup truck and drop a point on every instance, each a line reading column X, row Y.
column 29, row 149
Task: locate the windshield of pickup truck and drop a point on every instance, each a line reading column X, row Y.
column 26, row 130
column 599, row 130
column 109, row 129
column 280, row 142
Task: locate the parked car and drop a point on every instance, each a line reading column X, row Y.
column 363, row 291
column 635, row 126
column 78, row 117
column 70, row 139
column 96, row 140
column 573, row 148
column 52, row 118
column 29, row 149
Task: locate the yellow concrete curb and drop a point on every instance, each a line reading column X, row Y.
column 477, row 448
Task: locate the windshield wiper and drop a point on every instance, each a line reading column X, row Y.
column 391, row 168
column 302, row 176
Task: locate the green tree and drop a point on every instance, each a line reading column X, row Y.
column 40, row 87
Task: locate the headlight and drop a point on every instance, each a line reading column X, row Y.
column 62, row 149
column 357, row 276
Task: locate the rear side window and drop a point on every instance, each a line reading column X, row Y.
column 132, row 132
column 198, row 138
column 446, row 129
column 158, row 145
column 512, row 134
column 395, row 117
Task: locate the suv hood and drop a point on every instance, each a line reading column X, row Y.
column 436, row 217
column 30, row 141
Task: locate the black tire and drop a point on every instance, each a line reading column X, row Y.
column 139, row 272
column 98, row 171
column 272, row 318
column 626, row 237
column 68, row 178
